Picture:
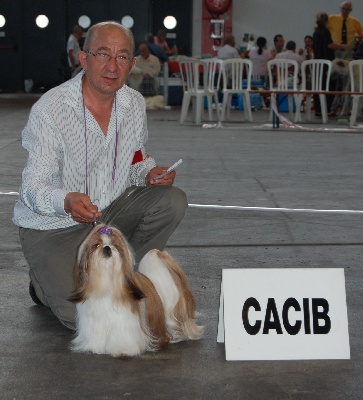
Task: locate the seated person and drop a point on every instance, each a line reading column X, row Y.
column 229, row 49
column 160, row 40
column 156, row 50
column 143, row 76
column 259, row 56
column 290, row 53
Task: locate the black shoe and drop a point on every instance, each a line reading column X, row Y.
column 34, row 296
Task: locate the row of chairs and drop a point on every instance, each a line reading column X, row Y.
column 207, row 78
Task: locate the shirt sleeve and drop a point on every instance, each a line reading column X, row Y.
column 41, row 189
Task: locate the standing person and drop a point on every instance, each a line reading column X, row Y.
column 87, row 161
column 259, row 56
column 343, row 28
column 278, row 46
column 73, row 48
column 323, row 48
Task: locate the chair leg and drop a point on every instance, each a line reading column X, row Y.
column 247, row 106
column 217, row 106
column 224, row 106
column 199, row 104
column 185, row 107
column 210, row 110
column 324, row 111
column 308, row 107
column 354, row 112
column 297, row 106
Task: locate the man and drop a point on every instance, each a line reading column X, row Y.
column 73, row 47
column 278, row 46
column 87, row 161
column 307, row 53
column 290, row 53
column 229, row 49
column 143, row 76
column 343, row 28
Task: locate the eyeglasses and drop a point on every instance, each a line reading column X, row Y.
column 104, row 58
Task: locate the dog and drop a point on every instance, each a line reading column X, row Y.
column 125, row 313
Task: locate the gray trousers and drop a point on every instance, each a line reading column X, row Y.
column 147, row 216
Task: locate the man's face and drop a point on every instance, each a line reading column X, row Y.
column 308, row 43
column 346, row 9
column 144, row 51
column 107, row 77
column 279, row 44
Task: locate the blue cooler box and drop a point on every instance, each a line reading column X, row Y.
column 255, row 99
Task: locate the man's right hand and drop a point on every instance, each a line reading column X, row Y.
column 80, row 207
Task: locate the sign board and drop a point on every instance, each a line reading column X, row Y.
column 283, row 314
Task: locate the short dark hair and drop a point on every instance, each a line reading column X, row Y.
column 290, row 45
column 277, row 36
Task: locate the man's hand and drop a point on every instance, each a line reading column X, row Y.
column 166, row 180
column 80, row 207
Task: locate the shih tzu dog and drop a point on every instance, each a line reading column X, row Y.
column 125, row 313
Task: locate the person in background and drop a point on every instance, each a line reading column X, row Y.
column 343, row 28
column 229, row 49
column 290, row 53
column 73, row 48
column 160, row 40
column 307, row 52
column 259, row 56
column 324, row 49
column 156, row 50
column 87, row 163
column 278, row 46
column 148, row 66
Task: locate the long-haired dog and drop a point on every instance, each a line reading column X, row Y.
column 125, row 313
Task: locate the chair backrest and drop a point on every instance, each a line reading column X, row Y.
column 237, row 74
column 356, row 75
column 315, row 74
column 212, row 74
column 283, row 74
column 190, row 72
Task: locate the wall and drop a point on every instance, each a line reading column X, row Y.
column 28, row 52
column 292, row 18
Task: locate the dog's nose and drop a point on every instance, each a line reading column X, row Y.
column 107, row 251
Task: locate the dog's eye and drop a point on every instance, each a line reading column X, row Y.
column 96, row 246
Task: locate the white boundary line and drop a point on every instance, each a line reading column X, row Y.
column 241, row 208
column 275, row 209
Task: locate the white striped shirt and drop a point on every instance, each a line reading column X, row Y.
column 63, row 146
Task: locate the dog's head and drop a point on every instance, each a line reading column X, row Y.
column 105, row 266
column 340, row 68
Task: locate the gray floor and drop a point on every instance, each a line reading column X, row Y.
column 241, row 164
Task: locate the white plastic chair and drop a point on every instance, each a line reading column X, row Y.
column 315, row 76
column 191, row 71
column 356, row 85
column 237, row 75
column 283, row 75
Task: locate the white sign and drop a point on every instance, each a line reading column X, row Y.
column 283, row 314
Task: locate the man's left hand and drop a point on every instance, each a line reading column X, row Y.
column 152, row 180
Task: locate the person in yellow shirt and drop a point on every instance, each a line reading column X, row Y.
column 343, row 28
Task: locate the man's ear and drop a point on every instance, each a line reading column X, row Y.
column 82, row 58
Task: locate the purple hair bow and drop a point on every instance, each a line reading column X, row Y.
column 105, row 230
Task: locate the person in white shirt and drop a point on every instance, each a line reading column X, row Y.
column 289, row 53
column 87, row 162
column 229, row 49
column 259, row 56
column 73, row 47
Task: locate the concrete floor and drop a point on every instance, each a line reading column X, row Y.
column 240, row 164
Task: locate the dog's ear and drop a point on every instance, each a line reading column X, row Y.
column 80, row 276
column 134, row 288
